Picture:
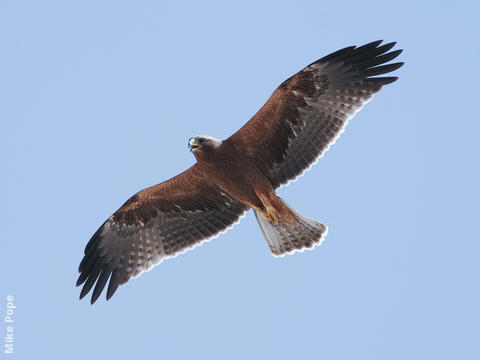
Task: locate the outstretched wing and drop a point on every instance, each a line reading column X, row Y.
column 308, row 111
column 154, row 224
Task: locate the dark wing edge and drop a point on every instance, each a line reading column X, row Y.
column 309, row 111
column 155, row 224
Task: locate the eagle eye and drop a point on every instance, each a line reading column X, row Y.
column 202, row 140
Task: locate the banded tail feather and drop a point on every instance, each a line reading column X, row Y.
column 286, row 239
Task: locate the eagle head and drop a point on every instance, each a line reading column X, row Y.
column 203, row 143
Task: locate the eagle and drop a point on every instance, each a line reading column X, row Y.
column 299, row 122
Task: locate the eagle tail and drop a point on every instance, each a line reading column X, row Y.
column 286, row 239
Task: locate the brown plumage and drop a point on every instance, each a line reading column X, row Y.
column 301, row 119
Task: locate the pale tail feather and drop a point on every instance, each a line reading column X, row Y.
column 286, row 239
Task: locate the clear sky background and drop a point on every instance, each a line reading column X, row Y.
column 97, row 101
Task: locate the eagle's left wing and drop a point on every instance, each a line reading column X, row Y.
column 156, row 223
column 308, row 111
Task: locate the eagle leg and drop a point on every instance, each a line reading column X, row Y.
column 275, row 210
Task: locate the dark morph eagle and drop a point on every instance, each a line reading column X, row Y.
column 298, row 123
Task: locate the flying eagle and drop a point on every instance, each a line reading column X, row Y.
column 298, row 123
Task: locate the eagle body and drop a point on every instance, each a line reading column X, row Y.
column 233, row 172
column 299, row 122
column 238, row 176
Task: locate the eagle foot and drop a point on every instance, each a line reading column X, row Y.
column 272, row 215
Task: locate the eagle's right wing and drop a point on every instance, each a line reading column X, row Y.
column 154, row 224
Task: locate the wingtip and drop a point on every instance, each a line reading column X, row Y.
column 391, row 43
column 374, row 43
column 389, row 80
column 397, row 65
column 81, row 279
column 368, row 46
column 394, row 54
column 112, row 286
column 94, row 297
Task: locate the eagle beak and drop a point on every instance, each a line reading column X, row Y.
column 192, row 144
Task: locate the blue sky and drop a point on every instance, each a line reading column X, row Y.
column 98, row 100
